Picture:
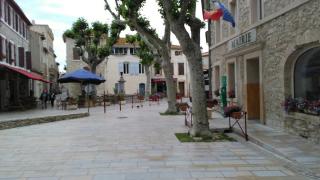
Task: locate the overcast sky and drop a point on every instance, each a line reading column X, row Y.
column 60, row 14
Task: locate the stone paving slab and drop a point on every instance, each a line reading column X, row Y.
column 139, row 147
column 304, row 155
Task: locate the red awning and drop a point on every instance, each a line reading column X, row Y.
column 29, row 75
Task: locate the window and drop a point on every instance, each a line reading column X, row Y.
column 217, row 77
column 231, row 80
column 21, row 56
column 2, row 48
column 178, row 53
column 76, row 53
column 157, row 71
column 1, row 10
column 141, row 69
column 218, row 31
column 9, row 15
column 307, row 75
column 233, row 10
column 16, row 23
column 181, row 68
column 120, row 51
column 5, row 12
column 125, row 68
column 256, row 10
column 133, row 51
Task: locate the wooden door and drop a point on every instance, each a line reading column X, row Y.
column 182, row 89
column 253, row 101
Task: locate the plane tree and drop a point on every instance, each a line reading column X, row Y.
column 128, row 12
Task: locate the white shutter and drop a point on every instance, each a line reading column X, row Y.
column 120, row 67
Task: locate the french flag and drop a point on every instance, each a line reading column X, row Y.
column 221, row 11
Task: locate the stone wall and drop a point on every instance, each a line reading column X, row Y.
column 279, row 38
column 306, row 126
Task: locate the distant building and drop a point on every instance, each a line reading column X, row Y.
column 180, row 74
column 43, row 58
column 271, row 54
column 124, row 60
column 15, row 58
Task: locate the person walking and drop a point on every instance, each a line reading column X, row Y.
column 44, row 98
column 52, row 99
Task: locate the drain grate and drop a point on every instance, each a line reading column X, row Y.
column 122, row 117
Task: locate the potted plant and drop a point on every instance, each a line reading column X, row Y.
column 72, row 104
column 182, row 106
column 233, row 111
column 217, row 92
column 231, row 94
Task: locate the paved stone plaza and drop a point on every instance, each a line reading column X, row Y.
column 134, row 144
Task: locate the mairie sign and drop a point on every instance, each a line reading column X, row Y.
column 242, row 40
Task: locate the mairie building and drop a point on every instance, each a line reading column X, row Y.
column 273, row 53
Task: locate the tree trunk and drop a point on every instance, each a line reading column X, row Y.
column 171, row 85
column 199, row 105
column 148, row 83
column 191, row 49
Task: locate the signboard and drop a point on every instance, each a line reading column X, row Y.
column 242, row 40
column 223, row 94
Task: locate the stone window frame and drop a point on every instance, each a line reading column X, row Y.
column 289, row 67
column 228, row 62
column 216, row 81
column 233, row 30
column 3, row 41
column 259, row 11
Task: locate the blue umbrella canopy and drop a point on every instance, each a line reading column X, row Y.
column 81, row 76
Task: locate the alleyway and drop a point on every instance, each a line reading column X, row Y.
column 132, row 145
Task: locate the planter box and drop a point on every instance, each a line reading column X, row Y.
column 122, row 102
column 72, row 107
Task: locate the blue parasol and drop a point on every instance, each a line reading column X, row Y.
column 81, row 76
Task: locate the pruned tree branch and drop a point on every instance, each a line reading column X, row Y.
column 107, row 7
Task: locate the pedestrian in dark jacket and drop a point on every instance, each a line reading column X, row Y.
column 52, row 99
column 44, row 97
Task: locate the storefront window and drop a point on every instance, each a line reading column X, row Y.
column 307, row 75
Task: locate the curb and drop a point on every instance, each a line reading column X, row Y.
column 39, row 120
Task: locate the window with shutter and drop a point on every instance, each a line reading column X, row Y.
column 1, row 46
column 15, row 54
column 7, row 51
column 120, row 68
column 9, row 14
column 1, row 5
column 21, row 56
column 181, row 68
column 76, row 53
column 28, row 60
column 126, row 68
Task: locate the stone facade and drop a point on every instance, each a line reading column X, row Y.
column 43, row 57
column 286, row 30
column 14, row 46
